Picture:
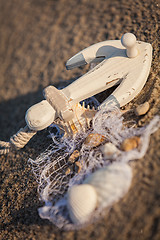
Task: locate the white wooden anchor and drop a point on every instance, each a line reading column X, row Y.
column 125, row 62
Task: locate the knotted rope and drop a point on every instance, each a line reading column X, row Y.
column 18, row 140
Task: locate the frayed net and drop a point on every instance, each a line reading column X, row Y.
column 50, row 167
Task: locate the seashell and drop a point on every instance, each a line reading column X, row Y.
column 74, row 156
column 78, row 167
column 142, row 109
column 81, row 202
column 110, row 183
column 80, row 122
column 130, row 143
column 94, row 139
column 109, row 149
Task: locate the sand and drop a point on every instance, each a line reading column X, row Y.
column 36, row 39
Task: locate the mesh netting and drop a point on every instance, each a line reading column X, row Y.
column 51, row 166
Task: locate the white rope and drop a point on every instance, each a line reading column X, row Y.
column 5, row 146
column 18, row 140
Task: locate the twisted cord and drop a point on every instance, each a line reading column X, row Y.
column 6, row 147
column 18, row 140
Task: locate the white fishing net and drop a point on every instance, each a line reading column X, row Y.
column 50, row 168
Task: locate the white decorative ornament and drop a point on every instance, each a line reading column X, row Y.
column 124, row 62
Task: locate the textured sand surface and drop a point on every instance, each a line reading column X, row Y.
column 36, row 39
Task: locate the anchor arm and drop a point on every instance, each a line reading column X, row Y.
column 93, row 54
column 134, row 81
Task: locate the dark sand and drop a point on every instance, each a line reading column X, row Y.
column 36, row 39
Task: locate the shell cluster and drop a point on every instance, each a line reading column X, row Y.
column 99, row 190
column 80, row 122
column 85, row 200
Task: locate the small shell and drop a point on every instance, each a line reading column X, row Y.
column 110, row 183
column 142, row 109
column 80, row 122
column 94, row 139
column 109, row 149
column 81, row 202
column 74, row 156
column 78, row 167
column 130, row 143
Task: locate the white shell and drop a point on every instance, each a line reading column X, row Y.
column 110, row 183
column 81, row 202
column 109, row 149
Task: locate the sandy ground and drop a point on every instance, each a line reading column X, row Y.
column 36, row 39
